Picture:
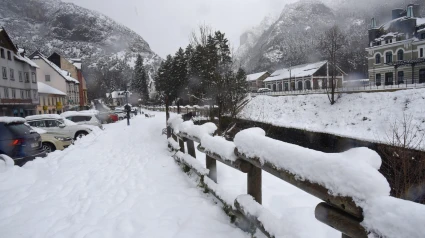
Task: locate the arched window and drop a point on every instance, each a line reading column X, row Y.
column 378, row 59
column 286, row 87
column 300, row 85
column 388, row 57
column 280, row 87
column 274, row 87
column 308, row 85
column 400, row 55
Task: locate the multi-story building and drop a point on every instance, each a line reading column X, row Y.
column 18, row 83
column 50, row 74
column 51, row 99
column 73, row 66
column 396, row 49
column 303, row 77
column 118, row 98
column 255, row 81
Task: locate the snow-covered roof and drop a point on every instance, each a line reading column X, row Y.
column 43, row 116
column 65, row 74
column 252, row 77
column 8, row 120
column 387, row 26
column 117, row 94
column 26, row 60
column 303, row 70
column 46, row 89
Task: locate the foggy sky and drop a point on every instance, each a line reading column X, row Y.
column 166, row 24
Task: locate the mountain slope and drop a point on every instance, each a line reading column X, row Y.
column 73, row 31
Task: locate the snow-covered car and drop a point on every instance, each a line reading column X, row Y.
column 264, row 90
column 56, row 124
column 51, row 142
column 83, row 118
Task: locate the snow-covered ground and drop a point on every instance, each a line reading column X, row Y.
column 366, row 116
column 121, row 182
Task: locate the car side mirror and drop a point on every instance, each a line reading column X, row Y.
column 61, row 125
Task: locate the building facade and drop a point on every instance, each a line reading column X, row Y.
column 18, row 82
column 74, row 67
column 303, row 77
column 51, row 99
column 53, row 76
column 255, row 81
column 396, row 52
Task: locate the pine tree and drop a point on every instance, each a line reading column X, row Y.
column 139, row 83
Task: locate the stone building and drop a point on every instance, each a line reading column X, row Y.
column 18, row 83
column 396, row 48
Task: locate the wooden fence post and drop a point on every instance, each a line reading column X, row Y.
column 254, row 183
column 191, row 148
column 181, row 144
column 212, row 166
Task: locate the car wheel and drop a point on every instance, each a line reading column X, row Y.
column 48, row 147
column 80, row 135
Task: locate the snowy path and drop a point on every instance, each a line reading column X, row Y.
column 121, row 182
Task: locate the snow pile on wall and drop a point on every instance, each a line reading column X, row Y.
column 366, row 116
column 341, row 173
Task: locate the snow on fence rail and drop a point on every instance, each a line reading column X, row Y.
column 355, row 194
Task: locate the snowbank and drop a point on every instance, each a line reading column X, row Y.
column 342, row 173
column 8, row 120
column 365, row 116
column 174, row 121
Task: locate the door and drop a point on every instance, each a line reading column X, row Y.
column 389, row 79
column 53, row 126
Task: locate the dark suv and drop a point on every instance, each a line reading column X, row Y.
column 19, row 141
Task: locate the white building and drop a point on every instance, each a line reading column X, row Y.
column 55, row 77
column 18, row 83
column 117, row 98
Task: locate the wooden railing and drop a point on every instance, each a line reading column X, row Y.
column 339, row 212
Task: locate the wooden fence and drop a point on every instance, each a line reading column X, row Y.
column 338, row 212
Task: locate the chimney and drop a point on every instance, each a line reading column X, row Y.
column 410, row 11
column 416, row 10
column 373, row 23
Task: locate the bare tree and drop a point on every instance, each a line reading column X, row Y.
column 332, row 43
column 403, row 162
column 200, row 36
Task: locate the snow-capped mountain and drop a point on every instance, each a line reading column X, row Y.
column 294, row 36
column 75, row 32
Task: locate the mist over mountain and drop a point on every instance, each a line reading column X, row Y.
column 75, row 32
column 293, row 37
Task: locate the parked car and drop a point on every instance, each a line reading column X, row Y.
column 120, row 113
column 19, row 141
column 264, row 90
column 85, row 119
column 52, row 142
column 54, row 123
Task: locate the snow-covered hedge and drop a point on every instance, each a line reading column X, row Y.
column 353, row 173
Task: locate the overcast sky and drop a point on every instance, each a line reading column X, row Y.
column 166, row 24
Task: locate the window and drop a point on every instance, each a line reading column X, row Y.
column 37, row 123
column 286, row 87
column 33, row 77
column 13, row 93
column 27, row 77
column 388, row 57
column 22, row 94
column 52, row 123
column 44, row 101
column 12, row 74
column 400, row 77
column 6, row 93
column 28, row 94
column 2, row 53
column 400, row 54
column 274, row 87
column 4, row 72
column 300, row 85
column 421, row 52
column 35, row 94
column 20, row 76
column 378, row 59
column 47, row 78
column 378, row 79
column 9, row 55
column 308, row 85
column 423, row 36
